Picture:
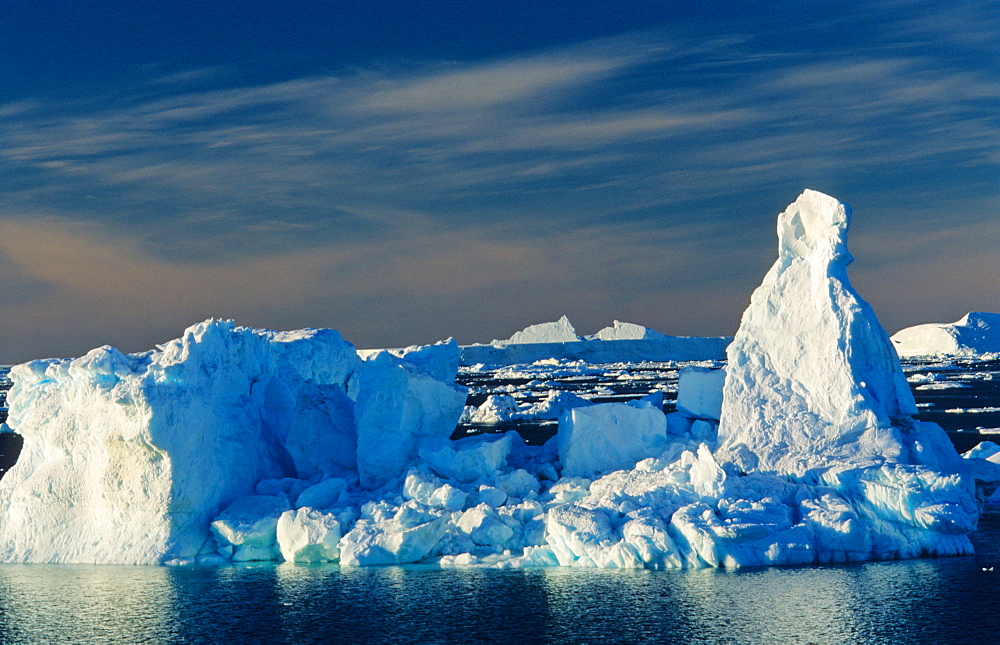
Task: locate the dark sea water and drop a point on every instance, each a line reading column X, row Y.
column 947, row 600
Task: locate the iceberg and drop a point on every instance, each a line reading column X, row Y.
column 131, row 459
column 235, row 444
column 560, row 331
column 812, row 378
column 598, row 439
column 814, row 393
column 975, row 333
column 128, row 458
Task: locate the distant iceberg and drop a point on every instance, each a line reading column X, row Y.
column 560, row 331
column 235, row 444
column 627, row 331
column 977, row 332
column 620, row 341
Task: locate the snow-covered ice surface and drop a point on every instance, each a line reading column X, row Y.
column 975, row 333
column 240, row 444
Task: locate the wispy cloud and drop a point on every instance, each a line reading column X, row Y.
column 450, row 180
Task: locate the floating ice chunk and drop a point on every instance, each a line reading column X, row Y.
column 984, row 459
column 944, row 386
column 468, row 459
column 399, row 405
column 496, row 409
column 484, row 526
column 560, row 331
column 390, row 542
column 555, row 404
column 247, row 529
column 987, row 450
column 699, row 392
column 610, row 436
column 308, row 535
column 977, row 332
column 627, row 331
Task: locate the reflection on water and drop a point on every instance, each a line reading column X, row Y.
column 917, row 601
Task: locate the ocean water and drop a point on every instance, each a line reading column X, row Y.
column 942, row 600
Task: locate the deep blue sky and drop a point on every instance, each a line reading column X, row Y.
column 409, row 171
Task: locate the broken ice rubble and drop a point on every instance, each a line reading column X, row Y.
column 233, row 444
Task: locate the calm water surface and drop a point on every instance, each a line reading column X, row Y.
column 918, row 601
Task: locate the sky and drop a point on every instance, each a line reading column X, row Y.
column 409, row 171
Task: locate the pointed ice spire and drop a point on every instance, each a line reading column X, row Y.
column 812, row 376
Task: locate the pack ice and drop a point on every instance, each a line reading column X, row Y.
column 234, row 444
column 977, row 332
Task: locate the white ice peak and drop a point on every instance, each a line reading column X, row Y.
column 814, row 228
column 812, row 376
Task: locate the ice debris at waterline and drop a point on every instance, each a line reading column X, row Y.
column 233, row 444
column 976, row 333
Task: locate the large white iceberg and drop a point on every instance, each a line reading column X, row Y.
column 814, row 393
column 977, row 332
column 812, row 378
column 235, row 444
column 129, row 458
